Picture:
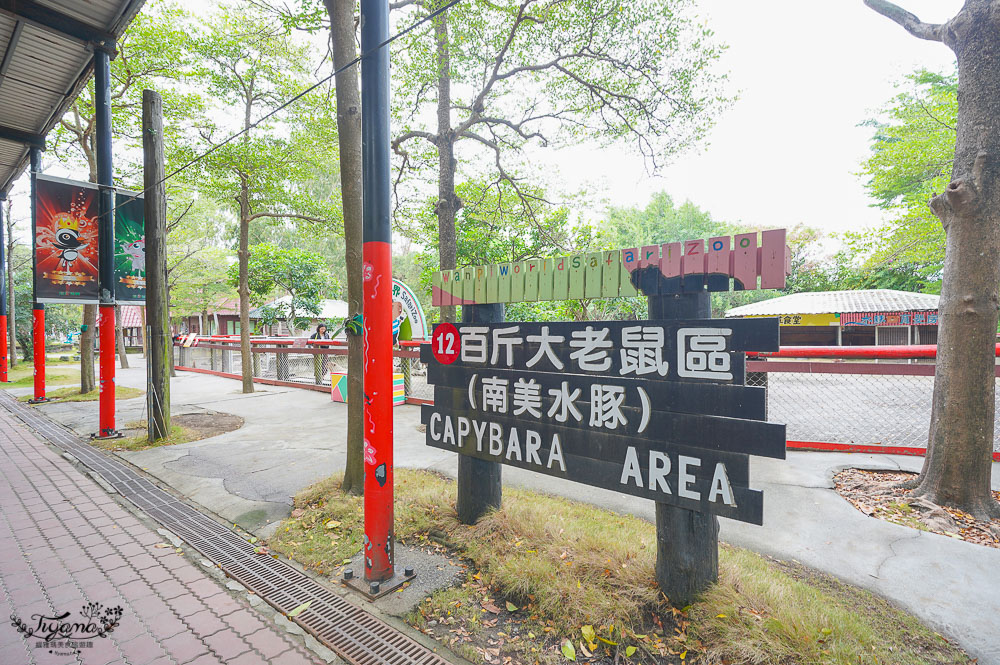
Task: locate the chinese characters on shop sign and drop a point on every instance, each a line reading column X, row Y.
column 652, row 409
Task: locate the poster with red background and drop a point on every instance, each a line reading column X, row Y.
column 65, row 241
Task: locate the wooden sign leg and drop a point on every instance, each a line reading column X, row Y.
column 687, row 542
column 479, row 484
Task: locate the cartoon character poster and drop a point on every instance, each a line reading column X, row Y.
column 65, row 241
column 130, row 249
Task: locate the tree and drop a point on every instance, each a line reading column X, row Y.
column 957, row 468
column 911, row 153
column 295, row 273
column 12, row 267
column 152, row 51
column 253, row 66
column 503, row 75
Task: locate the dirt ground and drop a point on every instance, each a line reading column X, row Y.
column 879, row 494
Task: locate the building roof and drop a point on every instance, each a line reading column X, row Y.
column 131, row 316
column 47, row 51
column 329, row 309
column 829, row 302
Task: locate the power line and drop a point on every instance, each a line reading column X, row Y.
column 294, row 99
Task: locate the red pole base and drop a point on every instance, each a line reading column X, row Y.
column 38, row 353
column 379, row 541
column 106, row 330
column 3, row 348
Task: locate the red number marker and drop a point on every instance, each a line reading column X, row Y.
column 446, row 343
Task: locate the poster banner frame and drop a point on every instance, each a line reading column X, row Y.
column 45, row 292
column 124, row 295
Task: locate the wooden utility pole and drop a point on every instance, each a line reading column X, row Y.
column 158, row 342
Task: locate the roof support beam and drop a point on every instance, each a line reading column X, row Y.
column 19, row 136
column 53, row 21
column 15, row 37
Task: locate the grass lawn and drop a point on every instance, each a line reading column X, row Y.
column 178, row 434
column 22, row 376
column 547, row 578
column 73, row 394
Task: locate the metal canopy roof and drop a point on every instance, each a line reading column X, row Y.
column 48, row 57
column 829, row 302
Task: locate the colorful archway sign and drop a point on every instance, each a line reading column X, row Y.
column 717, row 264
column 414, row 326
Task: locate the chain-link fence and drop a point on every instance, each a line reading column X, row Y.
column 885, row 403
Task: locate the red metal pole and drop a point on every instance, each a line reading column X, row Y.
column 902, row 351
column 3, row 348
column 106, row 393
column 378, row 412
column 377, row 280
column 38, row 350
column 106, row 243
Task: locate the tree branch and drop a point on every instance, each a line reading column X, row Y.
column 282, row 215
column 912, row 24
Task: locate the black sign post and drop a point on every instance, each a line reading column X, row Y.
column 480, row 488
column 687, row 541
column 655, row 409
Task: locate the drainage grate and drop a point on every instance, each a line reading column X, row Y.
column 352, row 633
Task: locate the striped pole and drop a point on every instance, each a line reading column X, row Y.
column 377, row 280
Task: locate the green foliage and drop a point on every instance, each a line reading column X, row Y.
column 497, row 224
column 155, row 53
column 283, row 169
column 911, row 155
column 295, row 273
column 660, row 221
column 551, row 71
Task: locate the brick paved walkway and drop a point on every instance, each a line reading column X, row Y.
column 64, row 543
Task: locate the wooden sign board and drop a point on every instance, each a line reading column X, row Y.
column 717, row 264
column 647, row 408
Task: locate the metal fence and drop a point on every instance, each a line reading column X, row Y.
column 301, row 363
column 883, row 403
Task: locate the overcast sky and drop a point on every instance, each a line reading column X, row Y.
column 807, row 72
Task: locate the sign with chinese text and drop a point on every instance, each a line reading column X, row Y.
column 928, row 318
column 716, row 264
column 65, row 241
column 130, row 248
column 802, row 319
column 654, row 409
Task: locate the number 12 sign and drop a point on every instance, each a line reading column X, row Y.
column 446, row 343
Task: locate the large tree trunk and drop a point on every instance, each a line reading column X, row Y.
column 243, row 254
column 448, row 202
column 342, row 36
column 960, row 444
column 87, row 382
column 957, row 468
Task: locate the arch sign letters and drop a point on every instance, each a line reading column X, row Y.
column 717, row 264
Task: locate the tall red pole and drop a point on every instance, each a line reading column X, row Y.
column 38, row 350
column 37, row 308
column 377, row 280
column 3, row 346
column 105, row 241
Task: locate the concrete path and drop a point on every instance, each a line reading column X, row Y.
column 67, row 548
column 294, row 437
